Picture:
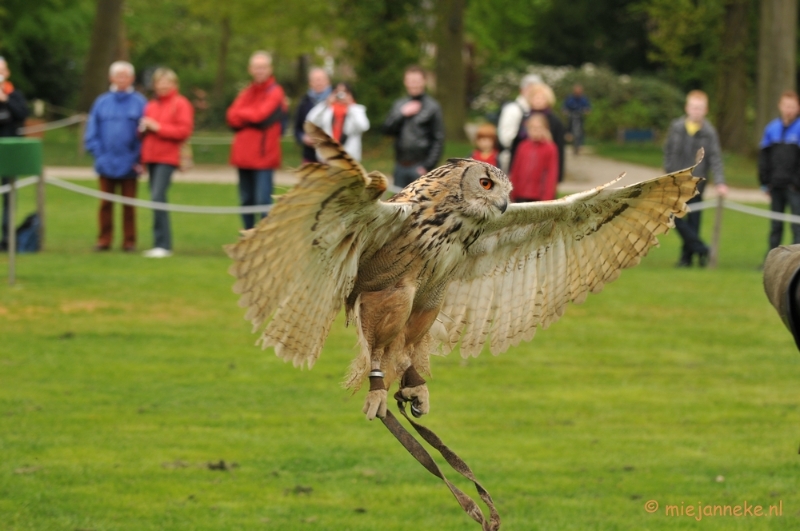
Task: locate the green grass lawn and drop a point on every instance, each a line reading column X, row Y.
column 122, row 378
column 740, row 171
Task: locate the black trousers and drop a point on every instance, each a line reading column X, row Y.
column 4, row 236
column 689, row 229
column 780, row 198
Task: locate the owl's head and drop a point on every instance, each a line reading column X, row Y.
column 484, row 188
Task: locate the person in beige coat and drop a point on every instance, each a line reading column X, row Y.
column 782, row 284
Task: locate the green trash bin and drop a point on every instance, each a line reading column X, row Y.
column 19, row 157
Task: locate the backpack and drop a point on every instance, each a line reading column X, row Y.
column 28, row 234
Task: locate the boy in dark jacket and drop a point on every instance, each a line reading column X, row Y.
column 779, row 165
column 13, row 111
column 686, row 136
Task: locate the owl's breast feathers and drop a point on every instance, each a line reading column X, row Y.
column 431, row 245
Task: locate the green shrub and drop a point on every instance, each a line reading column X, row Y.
column 618, row 101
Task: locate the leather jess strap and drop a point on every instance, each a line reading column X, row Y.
column 419, row 452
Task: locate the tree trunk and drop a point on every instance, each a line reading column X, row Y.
column 732, row 78
column 218, row 93
column 105, row 37
column 301, row 75
column 450, row 77
column 122, row 52
column 777, row 50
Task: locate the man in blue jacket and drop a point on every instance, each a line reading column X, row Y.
column 779, row 165
column 112, row 138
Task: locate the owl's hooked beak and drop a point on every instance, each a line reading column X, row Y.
column 502, row 206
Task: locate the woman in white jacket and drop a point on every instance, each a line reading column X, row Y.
column 342, row 118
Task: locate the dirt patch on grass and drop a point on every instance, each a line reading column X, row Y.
column 88, row 306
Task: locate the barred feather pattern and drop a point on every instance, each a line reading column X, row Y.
column 296, row 267
column 527, row 265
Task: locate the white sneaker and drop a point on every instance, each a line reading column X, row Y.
column 157, row 252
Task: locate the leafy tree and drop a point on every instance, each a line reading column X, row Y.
column 450, row 72
column 777, row 57
column 383, row 37
column 611, row 33
column 103, row 50
column 685, row 36
column 503, row 30
column 44, row 45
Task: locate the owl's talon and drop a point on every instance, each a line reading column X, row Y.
column 419, row 398
column 375, row 404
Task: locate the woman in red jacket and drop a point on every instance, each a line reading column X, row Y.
column 256, row 115
column 167, row 123
column 534, row 170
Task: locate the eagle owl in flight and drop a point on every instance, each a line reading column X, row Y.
column 446, row 261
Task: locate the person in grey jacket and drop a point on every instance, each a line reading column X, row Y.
column 686, row 136
column 418, row 127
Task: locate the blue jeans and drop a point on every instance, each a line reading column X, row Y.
column 689, row 229
column 255, row 188
column 160, row 179
column 405, row 175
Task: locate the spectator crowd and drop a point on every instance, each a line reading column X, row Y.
column 128, row 136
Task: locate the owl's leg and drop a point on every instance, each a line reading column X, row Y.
column 414, row 389
column 377, row 397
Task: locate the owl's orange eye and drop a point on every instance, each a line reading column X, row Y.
column 488, row 184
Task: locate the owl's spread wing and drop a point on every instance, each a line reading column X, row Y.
column 535, row 258
column 295, row 268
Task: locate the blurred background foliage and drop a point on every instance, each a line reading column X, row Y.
column 645, row 53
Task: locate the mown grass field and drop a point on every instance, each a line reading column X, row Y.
column 122, row 378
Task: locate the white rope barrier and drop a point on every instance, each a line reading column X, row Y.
column 49, row 126
column 22, row 183
column 170, row 207
column 769, row 214
column 192, row 209
column 701, row 205
column 778, row 216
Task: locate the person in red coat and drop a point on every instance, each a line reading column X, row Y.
column 167, row 124
column 256, row 115
column 486, row 145
column 534, row 170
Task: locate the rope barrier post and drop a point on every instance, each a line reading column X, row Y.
column 40, row 208
column 714, row 253
column 18, row 156
column 12, row 232
column 81, row 132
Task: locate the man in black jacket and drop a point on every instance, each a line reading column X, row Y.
column 779, row 165
column 319, row 88
column 13, row 111
column 417, row 125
